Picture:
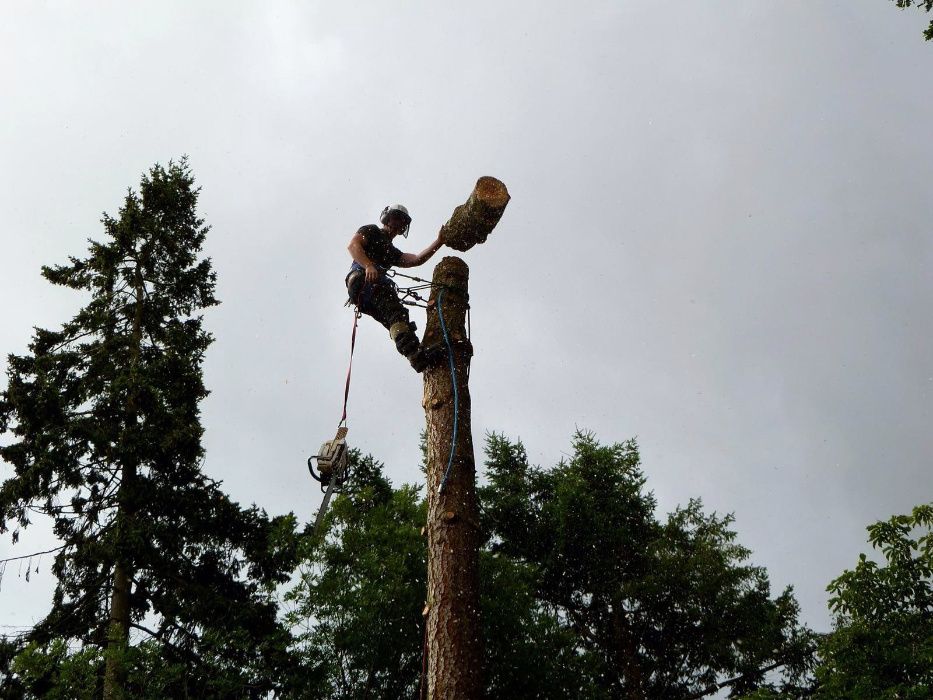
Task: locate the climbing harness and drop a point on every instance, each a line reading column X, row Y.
column 410, row 295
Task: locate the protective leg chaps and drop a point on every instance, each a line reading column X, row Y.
column 380, row 301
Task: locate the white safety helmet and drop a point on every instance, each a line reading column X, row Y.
column 384, row 217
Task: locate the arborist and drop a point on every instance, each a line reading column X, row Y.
column 374, row 294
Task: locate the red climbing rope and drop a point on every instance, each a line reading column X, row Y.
column 346, row 391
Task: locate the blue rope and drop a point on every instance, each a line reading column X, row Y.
column 453, row 380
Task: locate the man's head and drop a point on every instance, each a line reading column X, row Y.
column 396, row 219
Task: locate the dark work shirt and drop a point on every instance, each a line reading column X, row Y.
column 378, row 247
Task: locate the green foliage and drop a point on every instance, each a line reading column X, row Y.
column 584, row 592
column 882, row 645
column 920, row 4
column 104, row 437
column 357, row 606
column 51, row 671
column 662, row 609
column 529, row 652
column 357, row 609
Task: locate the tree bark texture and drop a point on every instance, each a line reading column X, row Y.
column 454, row 640
column 117, row 634
column 474, row 220
column 118, row 628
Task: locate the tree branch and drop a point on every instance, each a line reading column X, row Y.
column 160, row 636
column 34, row 554
column 732, row 681
column 580, row 624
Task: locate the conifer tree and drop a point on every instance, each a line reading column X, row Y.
column 104, row 437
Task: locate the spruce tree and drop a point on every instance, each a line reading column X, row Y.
column 104, row 437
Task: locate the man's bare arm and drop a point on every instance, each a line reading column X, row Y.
column 412, row 260
column 359, row 256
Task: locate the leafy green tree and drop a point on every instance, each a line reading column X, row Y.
column 584, row 592
column 664, row 609
column 356, row 610
column 882, row 644
column 58, row 671
column 529, row 652
column 104, row 437
column 54, row 672
column 921, row 4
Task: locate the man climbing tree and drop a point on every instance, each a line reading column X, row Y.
column 370, row 288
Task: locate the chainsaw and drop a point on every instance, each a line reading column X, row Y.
column 332, row 463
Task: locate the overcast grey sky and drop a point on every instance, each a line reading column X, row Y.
column 718, row 240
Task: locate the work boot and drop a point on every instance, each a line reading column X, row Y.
column 424, row 358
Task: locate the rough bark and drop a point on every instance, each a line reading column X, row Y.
column 473, row 221
column 118, row 634
column 118, row 629
column 454, row 641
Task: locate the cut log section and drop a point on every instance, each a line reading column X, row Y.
column 474, row 220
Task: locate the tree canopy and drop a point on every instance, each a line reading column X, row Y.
column 882, row 645
column 585, row 593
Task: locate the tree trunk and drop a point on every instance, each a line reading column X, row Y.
column 118, row 628
column 454, row 642
column 117, row 634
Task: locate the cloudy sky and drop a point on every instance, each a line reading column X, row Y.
column 718, row 240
